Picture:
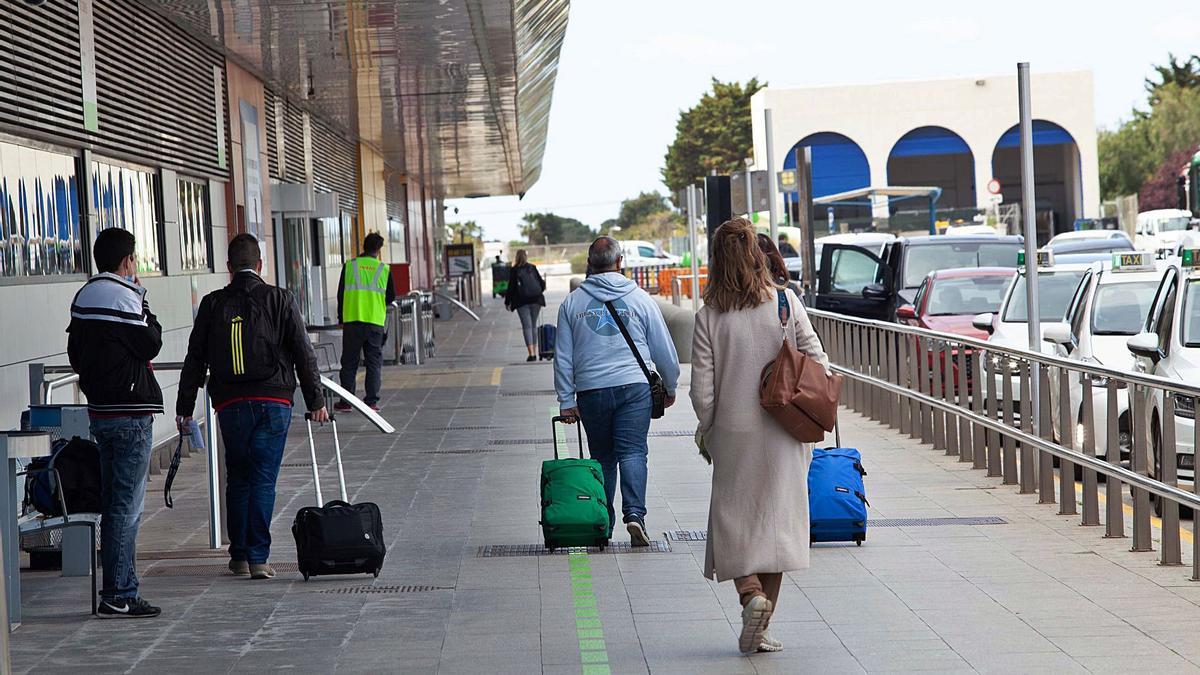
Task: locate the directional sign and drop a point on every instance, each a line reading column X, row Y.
column 787, row 180
column 758, row 187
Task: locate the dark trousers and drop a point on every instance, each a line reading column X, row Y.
column 255, row 433
column 363, row 339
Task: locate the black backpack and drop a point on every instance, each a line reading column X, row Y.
column 529, row 284
column 78, row 465
column 241, row 341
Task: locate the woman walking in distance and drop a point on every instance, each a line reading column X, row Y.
column 525, row 296
column 758, row 514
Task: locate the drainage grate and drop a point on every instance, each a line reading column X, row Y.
column 935, row 522
column 208, row 570
column 531, row 392
column 465, row 427
column 687, row 535
column 521, row 441
column 385, row 589
column 672, row 433
column 702, row 535
column 468, row 451
column 295, row 465
column 516, row 550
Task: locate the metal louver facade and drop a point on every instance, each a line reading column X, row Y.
column 155, row 89
column 335, row 164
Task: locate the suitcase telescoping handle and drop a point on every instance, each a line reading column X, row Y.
column 337, row 449
column 578, row 427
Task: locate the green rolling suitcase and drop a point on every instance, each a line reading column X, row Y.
column 574, row 509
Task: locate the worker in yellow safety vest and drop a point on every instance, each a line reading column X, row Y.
column 364, row 293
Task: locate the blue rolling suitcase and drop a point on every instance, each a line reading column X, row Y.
column 546, row 334
column 837, row 498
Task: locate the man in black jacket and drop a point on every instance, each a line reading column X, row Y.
column 113, row 336
column 250, row 337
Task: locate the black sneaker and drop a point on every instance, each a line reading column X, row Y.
column 136, row 608
column 636, row 525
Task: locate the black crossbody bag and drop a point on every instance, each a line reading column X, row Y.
column 658, row 390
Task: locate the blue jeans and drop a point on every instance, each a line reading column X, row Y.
column 125, row 444
column 617, row 420
column 255, row 433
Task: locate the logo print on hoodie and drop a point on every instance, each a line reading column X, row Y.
column 601, row 321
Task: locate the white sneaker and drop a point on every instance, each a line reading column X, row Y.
column 755, row 616
column 770, row 644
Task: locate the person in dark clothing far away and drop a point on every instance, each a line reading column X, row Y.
column 364, row 293
column 113, row 336
column 250, row 338
column 775, row 263
column 786, row 249
column 526, row 296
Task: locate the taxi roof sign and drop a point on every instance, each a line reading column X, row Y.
column 1045, row 258
column 1132, row 261
column 1191, row 257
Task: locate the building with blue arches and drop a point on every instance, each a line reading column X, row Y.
column 955, row 134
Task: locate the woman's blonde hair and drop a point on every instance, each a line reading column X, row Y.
column 522, row 257
column 738, row 274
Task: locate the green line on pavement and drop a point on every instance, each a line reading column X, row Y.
column 589, row 629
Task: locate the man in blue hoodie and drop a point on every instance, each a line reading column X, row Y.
column 599, row 381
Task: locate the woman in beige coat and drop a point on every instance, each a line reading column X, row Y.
column 758, row 514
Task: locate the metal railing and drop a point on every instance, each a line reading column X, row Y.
column 677, row 287
column 970, row 398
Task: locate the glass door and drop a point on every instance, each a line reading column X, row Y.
column 297, row 259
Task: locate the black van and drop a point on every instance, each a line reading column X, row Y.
column 853, row 280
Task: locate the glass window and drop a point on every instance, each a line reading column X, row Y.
column 1121, row 309
column 1173, row 224
column 852, row 270
column 1191, row 315
column 967, row 295
column 921, row 260
column 646, row 252
column 195, row 226
column 128, row 198
column 39, row 213
column 1055, row 289
column 331, row 233
column 396, row 241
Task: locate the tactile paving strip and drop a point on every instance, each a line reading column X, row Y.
column 384, row 589
column 531, row 392
column 618, row 547
column 702, row 535
column 521, row 441
column 468, row 451
column 465, row 427
column 673, row 433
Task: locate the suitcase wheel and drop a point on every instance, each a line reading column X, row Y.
column 858, row 542
column 305, row 575
column 376, row 572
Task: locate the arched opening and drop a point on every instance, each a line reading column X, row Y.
column 934, row 157
column 838, row 165
column 1058, row 182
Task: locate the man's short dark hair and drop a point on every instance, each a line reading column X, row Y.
column 112, row 246
column 244, row 253
column 782, row 237
column 373, row 243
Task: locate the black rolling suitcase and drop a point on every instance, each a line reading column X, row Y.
column 339, row 537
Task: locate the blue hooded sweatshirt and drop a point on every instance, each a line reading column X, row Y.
column 589, row 352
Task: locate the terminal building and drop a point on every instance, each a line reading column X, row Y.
column 308, row 124
column 955, row 134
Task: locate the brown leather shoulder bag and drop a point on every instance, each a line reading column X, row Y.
column 795, row 389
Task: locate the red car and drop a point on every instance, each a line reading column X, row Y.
column 948, row 299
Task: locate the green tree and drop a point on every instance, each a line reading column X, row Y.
column 1126, row 158
column 541, row 228
column 640, row 208
column 467, row 231
column 1175, row 120
column 1161, row 190
column 714, row 134
column 1183, row 73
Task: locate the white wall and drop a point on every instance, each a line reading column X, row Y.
column 34, row 318
column 979, row 110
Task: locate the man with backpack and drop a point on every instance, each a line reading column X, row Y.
column 250, row 338
column 113, row 336
column 364, row 293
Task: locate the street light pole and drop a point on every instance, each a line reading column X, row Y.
column 1033, row 312
column 771, row 190
column 692, row 201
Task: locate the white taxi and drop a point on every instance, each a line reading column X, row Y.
column 1110, row 305
column 1009, row 327
column 1169, row 347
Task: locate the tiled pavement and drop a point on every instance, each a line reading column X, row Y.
column 1038, row 594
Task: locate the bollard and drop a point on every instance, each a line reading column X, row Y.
column 1091, row 488
column 1114, row 517
column 1066, row 435
column 1165, row 471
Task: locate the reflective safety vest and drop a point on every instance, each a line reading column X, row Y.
column 364, row 295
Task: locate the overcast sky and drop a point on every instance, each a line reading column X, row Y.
column 628, row 68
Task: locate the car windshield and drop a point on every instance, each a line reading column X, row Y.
column 967, row 295
column 1173, row 224
column 1191, row 315
column 1055, row 289
column 921, row 260
column 1121, row 309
